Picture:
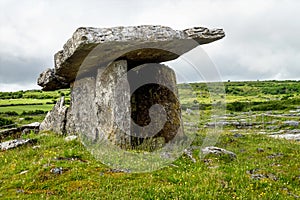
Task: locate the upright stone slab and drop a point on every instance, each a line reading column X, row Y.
column 55, row 119
column 112, row 106
column 112, row 98
column 93, row 107
column 81, row 116
column 154, row 85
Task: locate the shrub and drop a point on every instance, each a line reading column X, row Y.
column 11, row 113
column 28, row 118
column 4, row 121
column 36, row 112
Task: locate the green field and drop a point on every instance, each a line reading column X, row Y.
column 8, row 102
column 265, row 168
column 20, row 109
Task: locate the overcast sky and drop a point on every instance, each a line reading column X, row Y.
column 262, row 37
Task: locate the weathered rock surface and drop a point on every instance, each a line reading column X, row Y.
column 119, row 92
column 106, row 109
column 287, row 136
column 55, row 119
column 136, row 44
column 14, row 143
column 49, row 80
column 217, row 151
column 71, row 138
column 32, row 126
column 19, row 130
column 291, row 123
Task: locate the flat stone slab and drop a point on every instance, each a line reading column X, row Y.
column 34, row 125
column 217, row 151
column 14, row 131
column 91, row 48
column 14, row 143
column 287, row 136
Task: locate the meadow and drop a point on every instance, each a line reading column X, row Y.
column 265, row 168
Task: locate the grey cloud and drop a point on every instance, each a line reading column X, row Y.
column 261, row 36
column 19, row 70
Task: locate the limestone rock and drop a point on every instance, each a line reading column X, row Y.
column 287, row 136
column 291, row 123
column 16, row 132
column 55, row 119
column 32, row 125
column 136, row 44
column 49, row 81
column 57, row 170
column 81, row 115
column 71, row 138
column 107, row 108
column 14, row 143
column 8, row 132
column 217, row 151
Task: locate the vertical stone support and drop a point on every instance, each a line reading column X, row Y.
column 157, row 87
column 116, row 105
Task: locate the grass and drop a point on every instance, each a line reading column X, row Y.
column 4, row 102
column 20, row 109
column 212, row 178
column 25, row 172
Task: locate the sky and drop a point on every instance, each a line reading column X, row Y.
column 262, row 37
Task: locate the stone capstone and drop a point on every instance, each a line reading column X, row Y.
column 136, row 44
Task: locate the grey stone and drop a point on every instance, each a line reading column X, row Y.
column 9, row 132
column 218, row 151
column 71, row 138
column 252, row 171
column 260, row 150
column 57, row 170
column 263, row 176
column 189, row 111
column 294, row 131
column 26, row 129
column 82, row 113
column 189, row 154
column 258, row 176
column 24, row 172
column 14, row 143
column 287, row 136
column 55, row 119
column 291, row 123
column 238, row 135
column 119, row 171
column 275, row 155
column 20, row 191
column 127, row 42
column 16, row 132
column 49, row 80
column 32, row 126
column 107, row 110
